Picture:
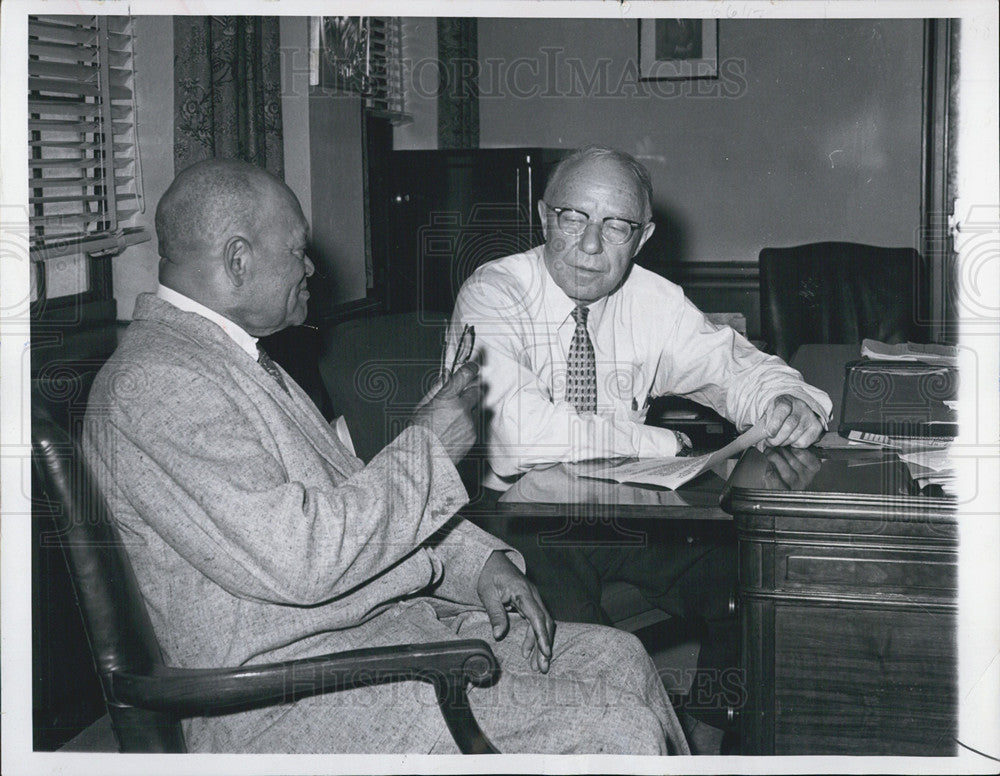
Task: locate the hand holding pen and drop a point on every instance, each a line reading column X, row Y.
column 466, row 345
column 449, row 408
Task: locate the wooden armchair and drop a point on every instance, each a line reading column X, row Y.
column 145, row 698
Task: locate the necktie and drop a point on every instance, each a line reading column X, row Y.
column 270, row 367
column 581, row 366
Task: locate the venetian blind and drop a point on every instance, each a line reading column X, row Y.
column 385, row 63
column 84, row 183
column 360, row 55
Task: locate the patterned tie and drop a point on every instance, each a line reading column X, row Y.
column 581, row 366
column 270, row 367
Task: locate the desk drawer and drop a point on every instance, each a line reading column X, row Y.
column 864, row 681
column 861, row 570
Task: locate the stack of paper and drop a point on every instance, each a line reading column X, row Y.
column 909, row 351
column 903, row 444
column 931, row 467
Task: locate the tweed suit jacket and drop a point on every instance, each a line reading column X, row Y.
column 255, row 535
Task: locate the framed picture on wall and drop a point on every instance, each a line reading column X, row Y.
column 678, row 48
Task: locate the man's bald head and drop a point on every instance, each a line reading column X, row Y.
column 595, row 155
column 232, row 237
column 206, row 204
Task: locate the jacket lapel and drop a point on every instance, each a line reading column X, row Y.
column 295, row 405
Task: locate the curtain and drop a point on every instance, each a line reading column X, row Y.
column 458, row 95
column 227, row 75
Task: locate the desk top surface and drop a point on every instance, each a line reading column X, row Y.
column 815, row 478
column 819, row 479
column 549, row 489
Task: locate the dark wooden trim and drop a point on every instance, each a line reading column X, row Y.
column 757, row 660
column 839, row 600
column 849, row 505
column 713, row 273
column 720, row 287
column 937, row 180
column 346, row 311
column 89, row 309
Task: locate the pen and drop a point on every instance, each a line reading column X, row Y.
column 466, row 344
column 443, row 365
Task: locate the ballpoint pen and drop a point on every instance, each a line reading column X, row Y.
column 466, row 344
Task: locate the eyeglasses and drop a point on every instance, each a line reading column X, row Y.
column 616, row 231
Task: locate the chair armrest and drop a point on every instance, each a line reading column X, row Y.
column 186, row 691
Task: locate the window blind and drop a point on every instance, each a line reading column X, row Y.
column 384, row 61
column 361, row 55
column 84, row 182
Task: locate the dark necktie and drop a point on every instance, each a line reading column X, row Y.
column 581, row 366
column 270, row 367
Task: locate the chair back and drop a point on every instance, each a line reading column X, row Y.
column 840, row 293
column 114, row 614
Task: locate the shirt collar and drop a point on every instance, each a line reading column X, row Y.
column 559, row 307
column 237, row 333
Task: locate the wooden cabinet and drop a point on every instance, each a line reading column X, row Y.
column 848, row 612
column 437, row 215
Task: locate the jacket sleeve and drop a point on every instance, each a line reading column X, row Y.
column 463, row 549
column 206, row 474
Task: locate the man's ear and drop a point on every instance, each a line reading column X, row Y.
column 647, row 232
column 543, row 218
column 236, row 255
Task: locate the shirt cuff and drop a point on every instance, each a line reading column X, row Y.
column 513, row 556
column 653, row 442
column 818, row 401
column 340, row 429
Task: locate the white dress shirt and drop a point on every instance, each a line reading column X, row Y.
column 649, row 341
column 241, row 337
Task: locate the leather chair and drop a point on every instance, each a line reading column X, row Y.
column 145, row 698
column 840, row 293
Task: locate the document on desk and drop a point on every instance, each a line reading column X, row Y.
column 674, row 472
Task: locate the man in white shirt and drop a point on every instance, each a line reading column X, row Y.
column 648, row 339
column 573, row 339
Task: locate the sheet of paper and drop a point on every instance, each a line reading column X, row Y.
column 934, row 460
column 909, row 351
column 674, row 472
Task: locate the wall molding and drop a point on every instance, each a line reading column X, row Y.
column 712, row 273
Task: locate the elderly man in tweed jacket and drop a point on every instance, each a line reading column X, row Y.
column 257, row 536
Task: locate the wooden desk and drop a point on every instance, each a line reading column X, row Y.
column 569, row 511
column 848, row 605
column 556, row 490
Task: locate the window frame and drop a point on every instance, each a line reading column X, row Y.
column 81, row 107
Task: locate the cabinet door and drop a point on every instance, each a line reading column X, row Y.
column 448, row 213
column 338, row 243
column 864, row 681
